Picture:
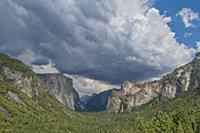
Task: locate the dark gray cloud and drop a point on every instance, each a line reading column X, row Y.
column 39, row 62
column 112, row 40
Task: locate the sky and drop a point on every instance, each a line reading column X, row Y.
column 189, row 36
column 111, row 41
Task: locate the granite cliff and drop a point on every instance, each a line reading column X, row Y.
column 133, row 94
column 15, row 71
column 62, row 88
column 28, row 82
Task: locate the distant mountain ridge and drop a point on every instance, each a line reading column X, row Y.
column 99, row 102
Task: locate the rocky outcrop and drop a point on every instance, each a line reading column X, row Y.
column 25, row 80
column 195, row 73
column 4, row 111
column 177, row 82
column 62, row 88
column 26, row 83
column 115, row 103
column 13, row 97
column 133, row 94
column 99, row 102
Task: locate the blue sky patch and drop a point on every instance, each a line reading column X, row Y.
column 189, row 36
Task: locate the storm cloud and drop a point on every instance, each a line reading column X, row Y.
column 39, row 62
column 112, row 40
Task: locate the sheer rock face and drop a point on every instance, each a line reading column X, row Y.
column 133, row 94
column 115, row 102
column 62, row 88
column 14, row 71
column 58, row 85
column 195, row 72
column 28, row 84
column 177, row 82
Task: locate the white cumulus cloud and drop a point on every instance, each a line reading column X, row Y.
column 112, row 40
column 87, row 86
column 188, row 16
